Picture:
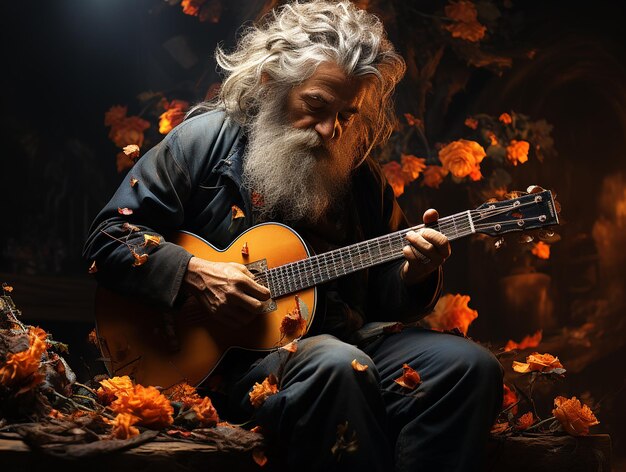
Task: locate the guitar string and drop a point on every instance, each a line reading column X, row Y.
column 364, row 249
column 358, row 260
column 445, row 224
column 298, row 269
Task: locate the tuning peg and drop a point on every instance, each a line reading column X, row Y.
column 535, row 189
column 498, row 243
column 526, row 238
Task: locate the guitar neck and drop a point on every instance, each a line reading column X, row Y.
column 321, row 268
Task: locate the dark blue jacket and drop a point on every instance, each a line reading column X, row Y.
column 191, row 180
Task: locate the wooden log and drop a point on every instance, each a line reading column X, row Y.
column 546, row 453
column 539, row 453
column 154, row 456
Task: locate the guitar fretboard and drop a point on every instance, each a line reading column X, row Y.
column 321, row 268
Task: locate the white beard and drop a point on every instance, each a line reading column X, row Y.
column 296, row 175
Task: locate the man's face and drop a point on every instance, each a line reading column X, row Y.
column 329, row 102
column 303, row 145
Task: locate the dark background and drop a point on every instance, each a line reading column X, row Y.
column 66, row 62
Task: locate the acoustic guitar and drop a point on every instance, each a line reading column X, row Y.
column 163, row 348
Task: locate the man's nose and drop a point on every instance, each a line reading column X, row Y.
column 329, row 128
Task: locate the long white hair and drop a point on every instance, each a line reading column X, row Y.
column 289, row 45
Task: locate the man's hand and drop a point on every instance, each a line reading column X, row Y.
column 227, row 291
column 426, row 251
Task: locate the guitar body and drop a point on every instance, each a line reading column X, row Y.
column 163, row 348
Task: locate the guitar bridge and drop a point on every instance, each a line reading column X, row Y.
column 259, row 270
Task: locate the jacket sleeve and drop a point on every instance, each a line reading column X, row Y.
column 157, row 202
column 390, row 296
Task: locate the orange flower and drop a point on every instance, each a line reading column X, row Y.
column 573, row 416
column 393, row 173
column 293, row 325
column 173, row 115
column 206, row 412
column 528, row 341
column 506, row 118
column 510, row 398
column 128, row 130
column 123, row 426
column 541, row 250
column 185, row 394
column 525, row 421
column 493, row 139
column 146, row 403
column 462, row 157
column 115, row 114
column 21, row 369
column 452, row 311
column 433, row 176
column 475, row 175
column 411, row 167
column 537, row 363
column 472, row 32
column 471, row 123
column 409, row 379
column 111, row 388
column 517, row 151
column 465, row 25
column 261, row 391
column 413, row 121
column 191, row 7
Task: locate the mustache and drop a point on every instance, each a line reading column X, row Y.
column 301, row 138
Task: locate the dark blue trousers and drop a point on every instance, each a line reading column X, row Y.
column 442, row 425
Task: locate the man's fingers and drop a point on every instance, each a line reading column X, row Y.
column 251, row 286
column 438, row 240
column 430, row 216
column 430, row 243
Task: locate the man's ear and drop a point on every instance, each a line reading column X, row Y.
column 265, row 78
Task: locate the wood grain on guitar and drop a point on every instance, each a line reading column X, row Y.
column 165, row 348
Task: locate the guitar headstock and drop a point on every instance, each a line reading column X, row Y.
column 526, row 211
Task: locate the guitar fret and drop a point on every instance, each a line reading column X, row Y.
column 290, row 278
column 334, row 264
column 380, row 251
column 319, row 270
column 471, row 222
column 283, row 279
column 268, row 274
column 401, row 243
column 352, row 257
